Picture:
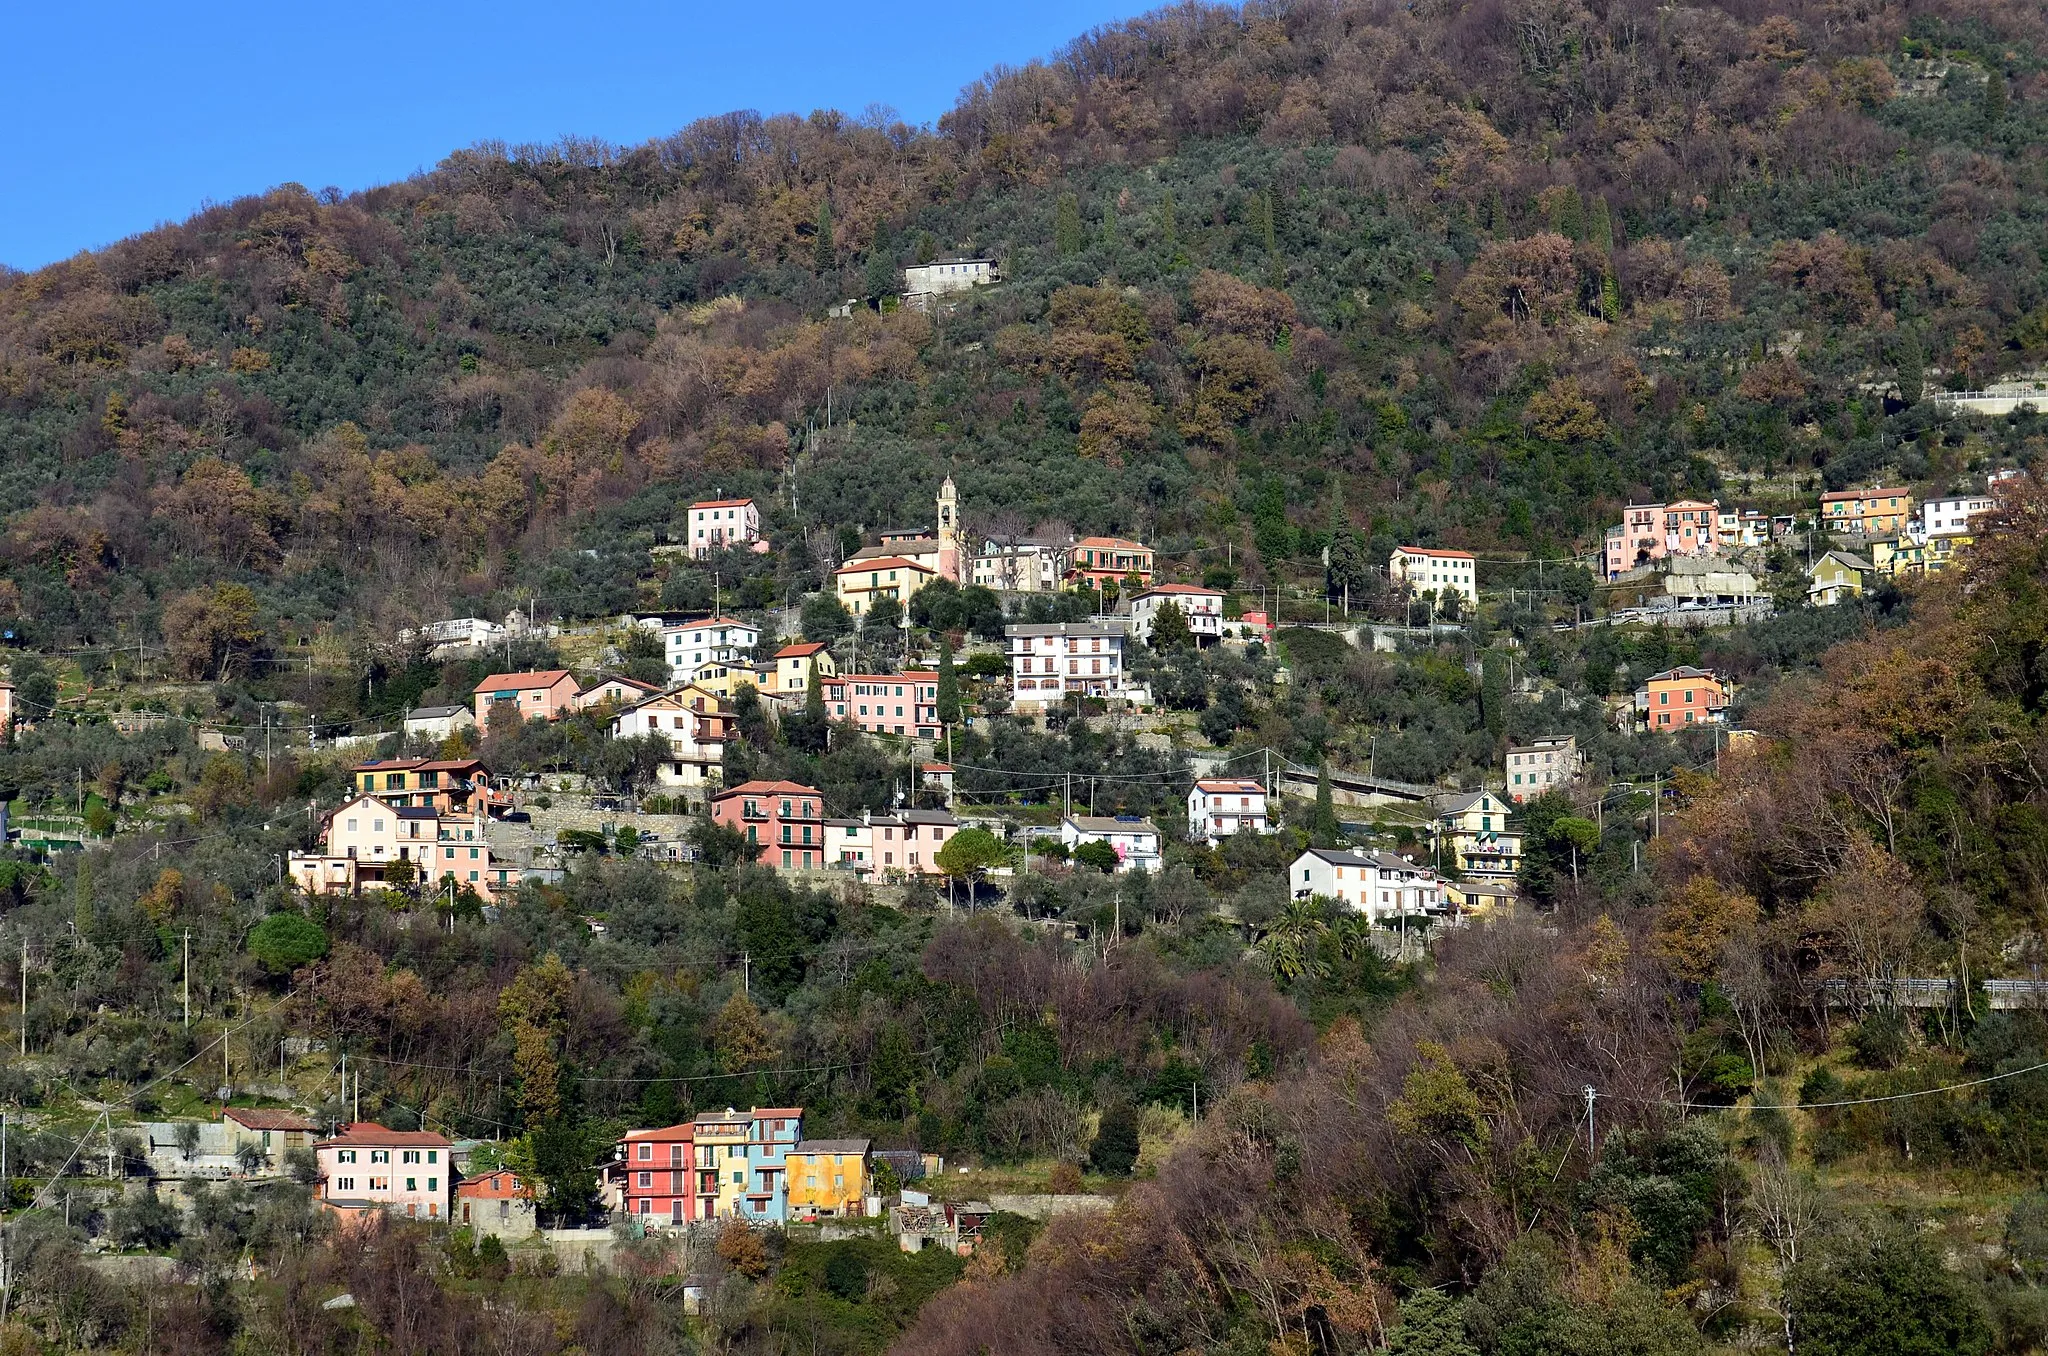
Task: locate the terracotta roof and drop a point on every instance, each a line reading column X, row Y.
column 799, row 650
column 711, row 621
column 759, row 788
column 501, row 1185
column 881, row 563
column 537, row 678
column 721, row 503
column 1432, row 551
column 1183, row 589
column 253, row 1118
column 1230, row 784
column 369, row 1132
column 1114, row 543
column 683, row 1131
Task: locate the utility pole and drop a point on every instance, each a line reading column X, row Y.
column 1592, row 1146
column 24, row 993
column 747, row 975
column 184, row 982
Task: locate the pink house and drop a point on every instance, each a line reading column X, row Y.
column 543, row 695
column 366, row 1167
column 1650, row 532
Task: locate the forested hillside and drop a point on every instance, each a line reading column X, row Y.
column 1281, row 287
column 1314, row 275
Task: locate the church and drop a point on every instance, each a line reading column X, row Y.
column 937, row 551
column 904, row 561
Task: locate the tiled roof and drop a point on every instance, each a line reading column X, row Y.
column 721, row 503
column 537, row 678
column 831, row 1146
column 758, row 788
column 370, row 1133
column 254, row 1118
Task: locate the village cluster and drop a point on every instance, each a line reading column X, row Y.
column 754, row 1166
column 439, row 821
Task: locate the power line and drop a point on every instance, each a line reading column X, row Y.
column 1853, row 1101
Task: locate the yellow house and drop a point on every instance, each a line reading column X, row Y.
column 828, row 1178
column 860, row 584
column 1836, row 576
column 791, row 675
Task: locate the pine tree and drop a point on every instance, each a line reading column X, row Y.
column 949, row 685
column 881, row 269
column 82, row 900
column 1568, row 214
column 1994, row 100
column 1170, row 629
column 828, row 257
column 1067, row 236
column 1432, row 1324
column 1600, row 223
column 1323, row 828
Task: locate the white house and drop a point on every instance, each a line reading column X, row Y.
column 1950, row 516
column 923, row 281
column 1549, row 760
column 692, row 646
column 438, row 722
column 716, row 524
column 695, row 726
column 458, row 633
column 1050, row 660
column 614, row 688
column 905, row 842
column 367, row 1167
column 1137, row 841
column 1221, row 806
column 1202, row 607
column 1378, row 885
column 1426, row 570
column 1019, row 567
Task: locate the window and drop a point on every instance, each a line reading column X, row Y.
column 646, row 1153
column 410, row 1156
column 380, row 1155
column 646, row 1180
column 345, row 1156
column 345, row 1184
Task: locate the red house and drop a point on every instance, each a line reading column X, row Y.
column 657, row 1172
column 787, row 819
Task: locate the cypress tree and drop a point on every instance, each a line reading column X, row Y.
column 949, row 685
column 1067, row 236
column 1324, row 829
column 1994, row 100
column 1600, row 223
column 1610, row 299
column 828, row 257
column 881, row 270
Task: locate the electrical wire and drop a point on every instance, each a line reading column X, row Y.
column 1852, row 1101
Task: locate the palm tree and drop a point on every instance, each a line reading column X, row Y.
column 1354, row 935
column 1291, row 939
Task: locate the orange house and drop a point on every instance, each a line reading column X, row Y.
column 1679, row 697
column 1871, row 513
column 1101, row 560
column 544, row 695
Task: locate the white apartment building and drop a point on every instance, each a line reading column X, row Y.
column 1050, row 660
column 1426, row 570
column 1533, row 768
column 1137, row 841
column 1221, row 806
column 693, row 723
column 367, row 1167
column 693, row 646
column 1950, row 516
column 716, row 524
column 1202, row 607
column 1023, row 567
column 1378, row 885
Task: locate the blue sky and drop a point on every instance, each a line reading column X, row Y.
column 123, row 115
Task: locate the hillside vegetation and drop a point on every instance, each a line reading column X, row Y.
column 1317, row 275
column 1277, row 281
